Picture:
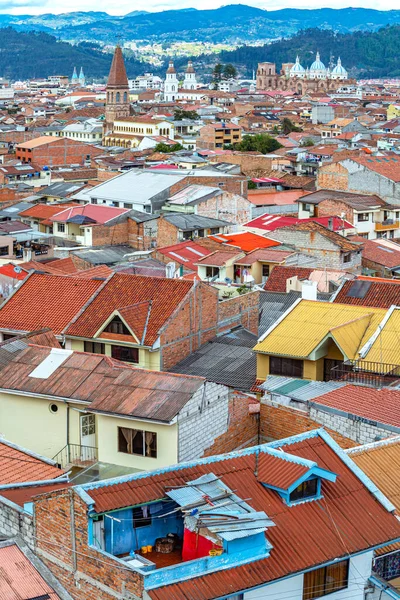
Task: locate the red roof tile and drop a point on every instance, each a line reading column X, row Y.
column 313, row 527
column 379, row 294
column 186, row 253
column 44, row 211
column 378, row 252
column 218, row 258
column 64, row 265
column 265, row 255
column 20, row 579
column 276, row 282
column 382, row 405
column 122, row 291
column 100, row 214
column 46, row 301
column 19, row 466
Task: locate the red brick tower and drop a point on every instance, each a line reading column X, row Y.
column 117, row 101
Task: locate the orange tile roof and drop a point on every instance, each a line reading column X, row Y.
column 39, row 141
column 45, row 300
column 45, row 211
column 246, row 241
column 122, row 291
column 18, row 465
column 64, row 265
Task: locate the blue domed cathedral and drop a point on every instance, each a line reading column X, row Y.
column 299, row 80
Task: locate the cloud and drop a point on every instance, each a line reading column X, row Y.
column 125, row 6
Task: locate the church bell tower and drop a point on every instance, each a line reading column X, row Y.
column 117, row 92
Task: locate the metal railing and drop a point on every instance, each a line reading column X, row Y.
column 76, row 455
column 364, row 372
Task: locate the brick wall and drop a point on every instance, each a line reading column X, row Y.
column 278, row 422
column 248, row 162
column 167, row 233
column 333, row 177
column 62, row 544
column 79, row 263
column 331, row 208
column 235, row 184
column 228, row 207
column 61, row 152
column 242, row 427
column 200, row 317
column 15, row 521
column 108, row 235
column 142, row 235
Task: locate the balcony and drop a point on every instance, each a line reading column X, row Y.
column 387, row 225
column 363, row 372
column 75, row 455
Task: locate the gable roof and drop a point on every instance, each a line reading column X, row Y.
column 185, row 253
column 380, row 251
column 350, row 503
column 244, row 240
column 310, row 322
column 18, row 465
column 388, row 166
column 44, row 300
column 276, row 281
column 369, row 293
column 99, row 214
column 337, row 239
column 121, row 291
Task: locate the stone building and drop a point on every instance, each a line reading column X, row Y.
column 295, row 78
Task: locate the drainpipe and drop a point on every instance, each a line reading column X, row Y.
column 68, row 448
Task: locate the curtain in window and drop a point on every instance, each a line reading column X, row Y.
column 336, row 577
column 129, row 435
column 314, row 583
column 150, row 441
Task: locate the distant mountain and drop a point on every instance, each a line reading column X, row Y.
column 26, row 55
column 235, row 23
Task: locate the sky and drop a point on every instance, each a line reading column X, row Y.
column 36, row 7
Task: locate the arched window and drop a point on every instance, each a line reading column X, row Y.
column 125, row 96
column 118, row 97
column 173, row 88
column 112, row 96
column 167, row 132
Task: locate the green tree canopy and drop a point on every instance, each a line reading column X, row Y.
column 229, row 72
column 180, row 114
column 261, row 142
column 166, row 149
column 288, row 126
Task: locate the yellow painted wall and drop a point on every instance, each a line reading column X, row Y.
column 28, row 421
column 147, row 359
column 393, row 111
column 107, row 435
column 262, row 366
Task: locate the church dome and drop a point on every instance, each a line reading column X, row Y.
column 339, row 70
column 318, row 65
column 297, row 68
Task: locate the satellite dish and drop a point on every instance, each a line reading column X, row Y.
column 228, row 281
column 17, row 270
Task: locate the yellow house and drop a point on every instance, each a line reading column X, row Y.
column 312, row 338
column 79, row 409
column 393, row 111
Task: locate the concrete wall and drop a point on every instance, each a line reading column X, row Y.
column 360, row 430
column 15, row 521
column 203, row 419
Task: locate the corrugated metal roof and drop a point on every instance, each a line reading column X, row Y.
column 299, row 389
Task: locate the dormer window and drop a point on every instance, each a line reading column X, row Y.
column 306, row 489
column 117, row 326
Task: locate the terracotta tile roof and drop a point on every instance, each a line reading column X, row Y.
column 117, row 76
column 45, row 300
column 108, row 385
column 185, row 253
column 218, row 258
column 276, row 282
column 44, row 211
column 380, row 405
column 101, row 271
column 245, row 240
column 307, row 525
column 64, row 265
column 123, row 290
column 388, row 166
column 380, row 252
column 334, row 237
column 99, row 213
column 275, row 198
column 18, row 465
column 264, row 255
column 378, row 294
column 20, row 578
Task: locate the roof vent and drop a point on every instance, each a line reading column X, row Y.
column 51, row 363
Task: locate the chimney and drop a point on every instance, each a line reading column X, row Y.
column 309, row 290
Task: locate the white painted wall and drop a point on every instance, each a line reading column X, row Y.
column 292, row 588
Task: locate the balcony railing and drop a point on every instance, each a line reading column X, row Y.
column 76, row 455
column 388, row 224
column 365, row 372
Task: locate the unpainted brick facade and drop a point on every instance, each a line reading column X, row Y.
column 61, row 152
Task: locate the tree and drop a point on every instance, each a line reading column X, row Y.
column 288, row 126
column 251, row 185
column 217, row 75
column 262, row 142
column 180, row 114
column 308, row 143
column 166, row 149
column 229, row 72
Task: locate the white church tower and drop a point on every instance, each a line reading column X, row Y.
column 190, row 83
column 171, row 84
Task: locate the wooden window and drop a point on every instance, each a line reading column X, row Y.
column 94, row 347
column 212, row 271
column 141, row 517
column 307, row 489
column 347, row 257
column 137, row 441
column 265, row 270
column 326, row 580
column 117, row 326
column 125, row 354
column 362, row 217
column 289, row 367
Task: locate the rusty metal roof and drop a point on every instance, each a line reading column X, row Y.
column 305, row 535
column 109, row 385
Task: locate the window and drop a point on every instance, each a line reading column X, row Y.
column 117, row 326
column 363, row 217
column 125, row 354
column 60, row 227
column 141, row 517
column 4, row 251
column 137, row 441
column 94, row 347
column 214, row 230
column 326, row 580
column 289, row 367
column 307, row 489
column 347, row 257
column 212, row 271
column 265, row 270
